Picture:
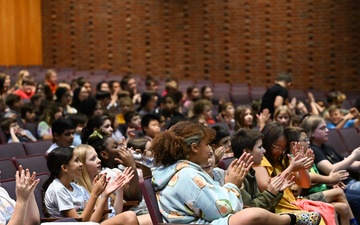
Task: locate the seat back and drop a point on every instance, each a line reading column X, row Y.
column 36, row 163
column 351, row 138
column 337, row 143
column 37, row 147
column 224, row 163
column 9, row 185
column 149, row 194
column 7, row 168
column 32, row 127
column 10, row 150
column 38, row 193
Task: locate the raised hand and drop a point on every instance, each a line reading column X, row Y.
column 25, row 184
column 125, row 157
column 128, row 173
column 219, row 153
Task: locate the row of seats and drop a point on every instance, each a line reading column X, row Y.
column 35, row 163
column 10, row 150
column 344, row 140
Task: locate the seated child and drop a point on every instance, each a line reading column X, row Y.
column 14, row 133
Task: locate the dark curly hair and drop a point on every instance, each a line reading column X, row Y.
column 174, row 144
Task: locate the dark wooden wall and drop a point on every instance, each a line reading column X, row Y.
column 221, row 40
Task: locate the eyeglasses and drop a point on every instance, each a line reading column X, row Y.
column 307, row 140
column 278, row 147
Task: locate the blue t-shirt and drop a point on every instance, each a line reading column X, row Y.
column 348, row 124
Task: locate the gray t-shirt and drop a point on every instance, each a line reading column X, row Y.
column 58, row 198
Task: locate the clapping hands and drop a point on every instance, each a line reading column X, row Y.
column 238, row 169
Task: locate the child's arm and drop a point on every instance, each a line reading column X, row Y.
column 334, row 177
column 13, row 135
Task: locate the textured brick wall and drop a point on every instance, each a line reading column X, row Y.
column 222, row 40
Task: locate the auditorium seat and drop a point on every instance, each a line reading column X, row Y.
column 7, row 168
column 351, row 138
column 337, row 143
column 10, row 150
column 37, row 163
column 37, row 147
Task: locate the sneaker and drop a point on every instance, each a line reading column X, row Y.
column 307, row 218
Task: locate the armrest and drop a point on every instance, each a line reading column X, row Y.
column 129, row 204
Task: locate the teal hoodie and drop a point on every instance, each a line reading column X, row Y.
column 187, row 194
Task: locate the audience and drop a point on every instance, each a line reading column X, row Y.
column 58, row 121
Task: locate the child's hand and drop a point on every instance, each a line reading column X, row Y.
column 337, row 176
column 238, row 169
column 219, row 153
column 25, row 184
column 99, row 184
column 126, row 158
column 275, row 184
column 288, row 182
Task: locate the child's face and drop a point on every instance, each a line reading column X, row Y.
column 27, row 87
column 16, row 127
column 53, row 78
column 112, row 149
column 195, row 93
column 208, row 94
column 74, row 167
column 30, row 116
column 225, row 142
column 106, row 127
column 125, row 107
column 58, row 114
column 135, row 122
column 321, row 133
column 104, row 87
column 335, row 116
column 209, row 166
column 153, row 129
column 248, row 118
column 257, row 152
column 66, row 98
column 304, row 140
column 92, row 163
column 279, row 147
column 229, row 111
column 150, row 105
column 169, row 104
column 84, row 94
column 283, row 118
column 207, row 112
column 65, row 139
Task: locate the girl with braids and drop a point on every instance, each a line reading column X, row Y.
column 114, row 155
column 187, row 194
column 63, row 198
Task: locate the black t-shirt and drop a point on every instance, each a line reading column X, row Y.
column 327, row 152
column 268, row 98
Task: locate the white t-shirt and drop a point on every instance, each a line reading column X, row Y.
column 7, row 206
column 58, row 198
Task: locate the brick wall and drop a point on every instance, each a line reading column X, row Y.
column 222, row 40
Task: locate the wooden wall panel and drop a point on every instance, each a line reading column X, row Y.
column 221, row 40
column 20, row 28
